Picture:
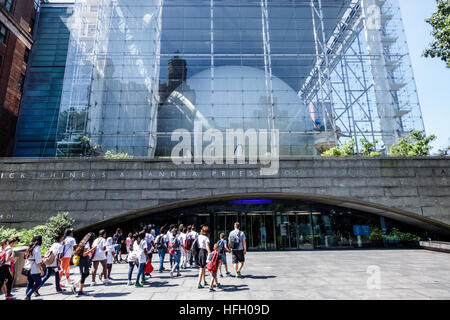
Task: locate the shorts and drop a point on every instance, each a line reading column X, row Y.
column 224, row 259
column 202, row 256
column 237, row 256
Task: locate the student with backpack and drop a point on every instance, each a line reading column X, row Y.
column 129, row 244
column 238, row 245
column 6, row 258
column 140, row 246
column 213, row 262
column 132, row 257
column 203, row 245
column 176, row 251
column 52, row 260
column 82, row 258
column 33, row 266
column 118, row 241
column 161, row 245
column 193, row 235
column 170, row 236
column 149, row 239
column 184, row 251
column 223, row 249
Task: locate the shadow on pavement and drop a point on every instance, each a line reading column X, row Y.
column 249, row 276
column 109, row 294
column 161, row 284
column 231, row 288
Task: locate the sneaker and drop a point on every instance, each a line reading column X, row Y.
column 36, row 293
column 93, row 283
column 138, row 285
column 205, row 284
column 143, row 282
column 228, row 273
column 211, row 290
column 160, row 271
column 200, row 286
column 221, row 275
column 10, row 297
column 130, row 283
column 178, row 274
column 106, row 282
column 219, row 285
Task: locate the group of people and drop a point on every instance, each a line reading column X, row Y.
column 183, row 243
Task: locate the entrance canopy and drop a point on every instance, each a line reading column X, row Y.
column 324, row 220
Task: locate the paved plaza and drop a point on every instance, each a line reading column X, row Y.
column 403, row 274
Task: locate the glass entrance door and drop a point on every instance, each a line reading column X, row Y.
column 293, row 230
column 260, row 230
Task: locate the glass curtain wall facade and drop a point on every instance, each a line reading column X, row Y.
column 290, row 225
column 320, row 71
column 41, row 99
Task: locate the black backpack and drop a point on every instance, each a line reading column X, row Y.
column 159, row 243
column 194, row 248
column 234, row 240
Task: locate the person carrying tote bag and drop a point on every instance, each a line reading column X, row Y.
column 33, row 266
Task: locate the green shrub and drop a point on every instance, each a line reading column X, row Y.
column 111, row 154
column 55, row 225
column 344, row 150
column 416, row 144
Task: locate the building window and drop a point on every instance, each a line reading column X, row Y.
column 3, row 32
column 21, row 83
column 26, row 55
column 7, row 4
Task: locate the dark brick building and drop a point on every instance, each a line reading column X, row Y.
column 17, row 20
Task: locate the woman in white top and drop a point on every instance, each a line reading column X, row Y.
column 99, row 256
column 33, row 263
column 110, row 251
column 57, row 248
column 5, row 269
column 184, row 252
column 141, row 247
column 204, row 250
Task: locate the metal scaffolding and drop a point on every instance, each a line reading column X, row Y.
column 362, row 85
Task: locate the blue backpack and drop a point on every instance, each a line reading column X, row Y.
column 221, row 244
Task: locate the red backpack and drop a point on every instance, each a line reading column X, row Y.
column 2, row 257
column 187, row 244
column 213, row 264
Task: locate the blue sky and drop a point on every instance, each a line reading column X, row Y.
column 431, row 76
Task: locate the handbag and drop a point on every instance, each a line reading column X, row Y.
column 26, row 271
column 148, row 267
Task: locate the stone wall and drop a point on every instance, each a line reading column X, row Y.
column 94, row 190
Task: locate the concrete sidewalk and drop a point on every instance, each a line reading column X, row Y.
column 403, row 274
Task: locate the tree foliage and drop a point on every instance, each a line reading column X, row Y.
column 416, row 144
column 440, row 21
